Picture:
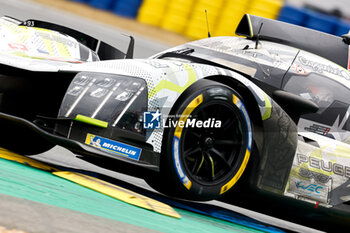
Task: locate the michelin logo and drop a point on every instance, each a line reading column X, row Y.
column 113, row 146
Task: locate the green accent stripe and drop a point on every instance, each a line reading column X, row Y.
column 268, row 107
column 91, row 121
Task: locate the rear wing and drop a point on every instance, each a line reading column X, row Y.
column 103, row 50
column 325, row 45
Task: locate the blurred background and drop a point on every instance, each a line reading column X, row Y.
column 187, row 17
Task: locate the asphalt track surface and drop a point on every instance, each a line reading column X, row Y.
column 60, row 156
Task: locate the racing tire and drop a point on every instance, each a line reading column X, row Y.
column 204, row 162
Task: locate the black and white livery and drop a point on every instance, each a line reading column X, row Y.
column 264, row 114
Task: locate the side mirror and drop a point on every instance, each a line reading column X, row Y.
column 346, row 38
column 295, row 106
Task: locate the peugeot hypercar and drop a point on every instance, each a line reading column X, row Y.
column 264, row 113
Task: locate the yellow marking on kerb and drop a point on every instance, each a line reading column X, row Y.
column 119, row 193
column 5, row 154
column 97, row 185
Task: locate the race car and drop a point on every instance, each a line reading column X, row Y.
column 265, row 113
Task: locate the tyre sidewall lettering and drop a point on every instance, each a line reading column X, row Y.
column 235, row 175
column 178, row 164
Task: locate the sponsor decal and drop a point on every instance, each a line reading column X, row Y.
column 309, row 190
column 318, row 177
column 56, row 38
column 113, row 146
column 327, row 166
column 320, row 68
column 319, row 129
column 314, row 188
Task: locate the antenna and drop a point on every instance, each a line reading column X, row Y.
column 206, row 16
column 258, row 36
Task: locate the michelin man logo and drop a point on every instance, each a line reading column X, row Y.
column 152, row 120
column 96, row 143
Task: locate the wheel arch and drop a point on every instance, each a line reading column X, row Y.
column 265, row 116
column 252, row 107
column 276, row 127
